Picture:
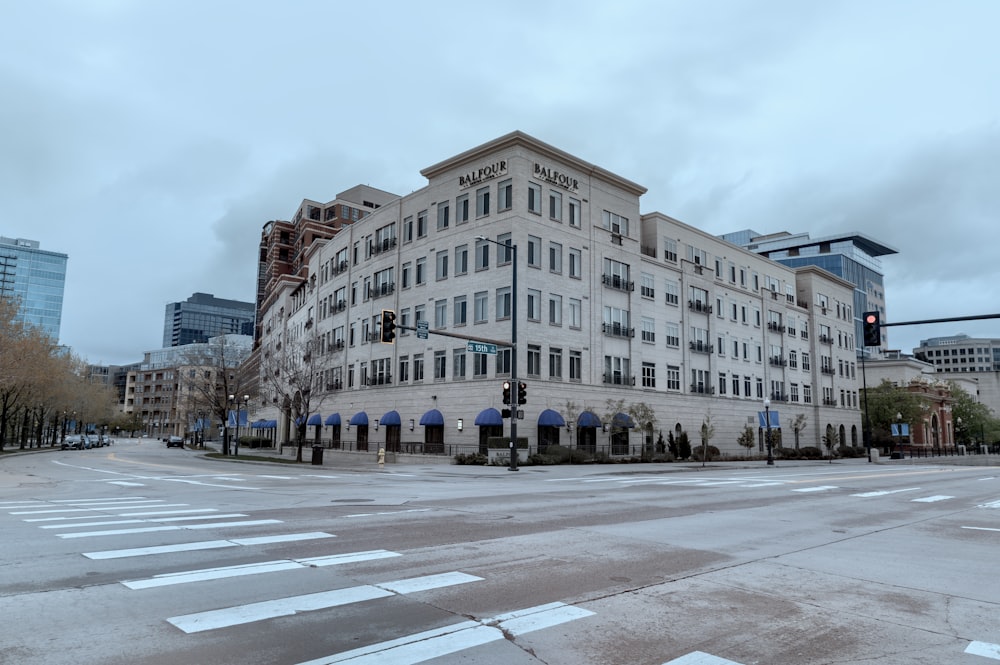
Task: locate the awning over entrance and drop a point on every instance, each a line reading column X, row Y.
column 315, row 420
column 622, row 420
column 588, row 419
column 333, row 419
column 433, row 418
column 550, row 418
column 359, row 419
column 390, row 418
column 489, row 418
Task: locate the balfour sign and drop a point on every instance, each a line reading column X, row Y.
column 482, row 174
column 554, row 177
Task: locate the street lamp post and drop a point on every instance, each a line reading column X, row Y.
column 767, row 430
column 513, row 349
column 245, row 401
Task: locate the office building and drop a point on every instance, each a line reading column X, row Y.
column 37, row 278
column 851, row 256
column 616, row 312
column 203, row 316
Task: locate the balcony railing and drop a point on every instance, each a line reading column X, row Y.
column 340, row 267
column 701, row 347
column 617, row 330
column 381, row 246
column 381, row 290
column 340, row 306
column 829, row 371
column 825, row 339
column 698, row 389
column 619, row 379
column 775, row 327
column 617, row 282
column 778, row 361
column 380, row 380
column 699, row 306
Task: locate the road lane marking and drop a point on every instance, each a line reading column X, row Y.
column 270, row 609
column 867, row 495
column 818, row 488
column 75, row 525
column 207, row 545
column 991, row 504
column 151, row 529
column 224, row 572
column 985, row 649
column 700, row 658
column 125, row 483
column 430, row 644
column 170, row 512
column 979, row 528
column 932, row 499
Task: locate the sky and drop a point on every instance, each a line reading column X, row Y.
column 151, row 140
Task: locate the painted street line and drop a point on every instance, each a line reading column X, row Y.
column 818, row 488
column 125, row 483
column 58, row 519
column 151, row 529
column 867, row 495
column 308, row 475
column 979, row 528
column 132, row 521
column 169, row 579
column 700, row 658
column 171, row 512
column 985, row 649
column 991, row 504
column 430, row 644
column 206, row 545
column 270, row 609
column 113, row 504
column 763, row 485
column 112, row 499
column 51, row 510
column 277, row 477
column 932, row 499
column 204, row 484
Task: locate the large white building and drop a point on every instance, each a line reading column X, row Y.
column 614, row 308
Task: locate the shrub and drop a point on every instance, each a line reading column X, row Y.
column 473, row 458
column 810, row 452
column 711, row 453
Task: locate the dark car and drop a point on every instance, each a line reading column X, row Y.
column 175, row 441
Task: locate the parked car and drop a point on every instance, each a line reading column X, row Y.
column 175, row 441
column 72, row 442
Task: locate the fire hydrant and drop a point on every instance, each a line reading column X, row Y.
column 381, row 458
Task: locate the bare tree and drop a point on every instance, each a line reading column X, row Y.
column 707, row 432
column 211, row 374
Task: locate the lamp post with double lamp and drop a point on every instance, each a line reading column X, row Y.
column 767, row 430
column 513, row 348
column 245, row 401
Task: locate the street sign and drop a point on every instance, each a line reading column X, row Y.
column 482, row 347
column 421, row 330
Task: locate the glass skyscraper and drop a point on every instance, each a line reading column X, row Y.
column 37, row 279
column 203, row 316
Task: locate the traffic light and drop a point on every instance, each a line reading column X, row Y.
column 871, row 330
column 522, row 393
column 388, row 326
column 506, row 392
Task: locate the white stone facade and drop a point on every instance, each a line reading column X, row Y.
column 612, row 306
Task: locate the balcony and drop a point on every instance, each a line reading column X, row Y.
column 778, row 361
column 775, row 327
column 829, row 402
column 340, row 267
column 825, row 339
column 829, row 371
column 699, row 306
column 384, row 245
column 701, row 347
column 340, row 306
column 617, row 282
column 779, row 397
column 699, row 389
column 336, row 385
column 619, row 379
column 382, row 290
column 617, row 330
column 381, row 380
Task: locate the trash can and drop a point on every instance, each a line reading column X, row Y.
column 317, row 455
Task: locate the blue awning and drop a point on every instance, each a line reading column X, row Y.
column 432, row 417
column 550, row 418
column 390, row 418
column 622, row 420
column 588, row 419
column 359, row 419
column 333, row 419
column 489, row 418
column 315, row 419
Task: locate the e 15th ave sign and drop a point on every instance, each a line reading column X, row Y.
column 482, row 347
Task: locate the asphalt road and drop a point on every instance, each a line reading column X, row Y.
column 142, row 554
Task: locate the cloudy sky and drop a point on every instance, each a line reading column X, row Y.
column 151, row 140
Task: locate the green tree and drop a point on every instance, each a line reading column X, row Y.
column 886, row 404
column 831, row 440
column 707, row 432
column 747, row 439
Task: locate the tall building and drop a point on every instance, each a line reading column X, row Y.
column 960, row 353
column 203, row 316
column 35, row 277
column 613, row 310
column 851, row 256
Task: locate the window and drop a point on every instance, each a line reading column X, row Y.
column 443, row 215
column 534, row 252
column 482, row 201
column 503, row 362
column 555, row 206
column 807, row 394
column 555, row 309
column 421, row 273
column 442, row 265
column 574, row 213
column 673, row 291
column 418, row 367
column 503, row 303
column 405, row 273
column 575, row 264
column 458, row 364
column 479, row 364
column 440, row 313
column 404, row 369
column 505, row 254
column 534, row 198
column 462, row 260
column 648, row 375
column 646, row 285
column 482, row 254
column 421, row 223
column 673, row 335
column 736, row 386
column 481, row 307
column 673, row 377
column 617, row 371
column 534, row 305
column 722, row 383
column 648, row 330
column 575, row 312
column 440, row 365
column 408, row 229
column 615, row 222
column 534, row 360
column 670, row 250
column 460, row 313
column 555, row 363
column 575, row 365
column 462, row 209
column 505, row 195
column 555, row 257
